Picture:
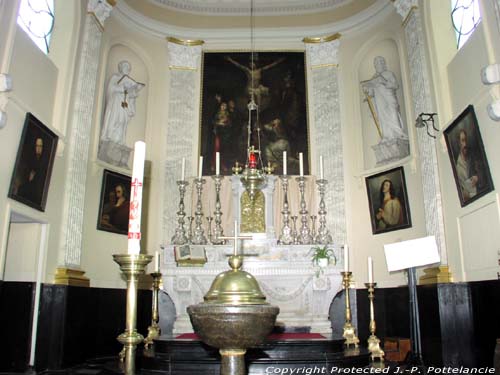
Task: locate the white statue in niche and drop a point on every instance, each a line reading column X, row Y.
column 121, row 95
column 380, row 92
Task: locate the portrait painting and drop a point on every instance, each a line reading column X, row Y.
column 388, row 201
column 276, row 81
column 33, row 168
column 114, row 204
column 467, row 157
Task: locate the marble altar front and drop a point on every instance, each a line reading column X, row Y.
column 285, row 273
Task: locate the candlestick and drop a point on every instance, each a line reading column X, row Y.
column 217, row 163
column 304, row 235
column 370, row 270
column 301, row 164
column 154, row 329
column 284, row 163
column 200, row 167
column 183, row 169
column 180, row 237
column 346, row 258
column 134, row 225
column 321, row 167
column 286, row 237
column 218, row 231
column 324, row 237
column 198, row 237
column 373, row 340
column 349, row 331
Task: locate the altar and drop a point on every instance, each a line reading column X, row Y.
column 285, row 274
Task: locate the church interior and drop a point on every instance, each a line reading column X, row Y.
column 339, row 154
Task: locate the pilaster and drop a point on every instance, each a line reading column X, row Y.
column 422, row 102
column 322, row 65
column 79, row 140
column 184, row 58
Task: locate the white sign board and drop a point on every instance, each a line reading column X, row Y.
column 412, row 253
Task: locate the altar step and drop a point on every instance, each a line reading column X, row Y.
column 173, row 356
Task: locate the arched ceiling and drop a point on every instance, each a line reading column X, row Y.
column 227, row 14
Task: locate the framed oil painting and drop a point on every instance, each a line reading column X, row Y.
column 279, row 90
column 388, row 201
column 467, row 157
column 33, row 168
column 114, row 204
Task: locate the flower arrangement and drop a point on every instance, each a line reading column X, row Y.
column 321, row 256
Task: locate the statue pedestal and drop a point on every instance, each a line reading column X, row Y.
column 114, row 153
column 285, row 274
column 391, row 150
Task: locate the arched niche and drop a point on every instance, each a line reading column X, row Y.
column 388, row 49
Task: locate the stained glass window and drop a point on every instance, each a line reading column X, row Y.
column 36, row 18
column 465, row 16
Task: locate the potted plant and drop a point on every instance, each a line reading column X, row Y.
column 321, row 256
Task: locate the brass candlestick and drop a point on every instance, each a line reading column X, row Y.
column 132, row 266
column 154, row 330
column 373, row 341
column 349, row 330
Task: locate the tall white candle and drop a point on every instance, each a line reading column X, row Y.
column 183, row 169
column 370, row 270
column 200, row 167
column 301, row 164
column 284, row 163
column 217, row 163
column 134, row 224
column 235, row 237
column 157, row 261
column 346, row 258
column 321, row 167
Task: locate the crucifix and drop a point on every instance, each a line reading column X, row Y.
column 235, row 237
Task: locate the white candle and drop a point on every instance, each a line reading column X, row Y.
column 235, row 237
column 370, row 270
column 217, row 163
column 346, row 258
column 183, row 169
column 284, row 163
column 301, row 164
column 157, row 261
column 321, row 167
column 200, row 167
column 134, row 224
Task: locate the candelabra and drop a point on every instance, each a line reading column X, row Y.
column 218, row 232
column 132, row 266
column 209, row 221
column 323, row 236
column 294, row 230
column 286, row 237
column 349, row 330
column 199, row 234
column 304, row 235
column 154, row 329
column 373, row 341
column 180, row 237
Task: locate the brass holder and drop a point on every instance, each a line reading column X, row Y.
column 286, row 237
column 237, row 168
column 373, row 341
column 132, row 266
column 154, row 330
column 218, row 232
column 199, row 234
column 324, row 237
column 180, row 237
column 349, row 330
column 269, row 169
column 304, row 236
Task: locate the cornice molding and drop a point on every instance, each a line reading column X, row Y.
column 185, row 42
column 321, row 39
column 240, row 36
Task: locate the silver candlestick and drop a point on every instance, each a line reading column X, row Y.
column 190, row 231
column 218, row 231
column 286, row 237
column 180, row 237
column 199, row 234
column 304, row 235
column 209, row 220
column 294, row 230
column 324, row 236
